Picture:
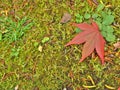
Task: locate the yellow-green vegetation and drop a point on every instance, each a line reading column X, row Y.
column 38, row 60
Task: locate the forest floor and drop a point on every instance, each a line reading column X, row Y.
column 33, row 55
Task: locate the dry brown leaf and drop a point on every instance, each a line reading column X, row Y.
column 92, row 2
column 95, row 2
column 66, row 17
column 117, row 45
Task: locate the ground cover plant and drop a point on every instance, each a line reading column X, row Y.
column 33, row 35
column 13, row 31
column 104, row 18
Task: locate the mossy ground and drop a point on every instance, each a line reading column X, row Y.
column 56, row 67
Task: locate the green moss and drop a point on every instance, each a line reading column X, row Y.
column 50, row 69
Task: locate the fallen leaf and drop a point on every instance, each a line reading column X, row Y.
column 95, row 1
column 93, row 40
column 92, row 2
column 116, row 45
column 119, row 88
column 66, row 17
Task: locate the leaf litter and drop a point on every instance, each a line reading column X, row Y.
column 116, row 45
column 65, row 18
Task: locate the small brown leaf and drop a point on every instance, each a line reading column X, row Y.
column 92, row 2
column 66, row 17
column 95, row 2
column 117, row 45
column 71, row 75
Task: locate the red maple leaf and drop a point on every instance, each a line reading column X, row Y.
column 119, row 88
column 93, row 40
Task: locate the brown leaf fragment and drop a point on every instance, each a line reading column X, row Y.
column 95, row 2
column 119, row 88
column 92, row 2
column 116, row 45
column 89, row 2
column 66, row 17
